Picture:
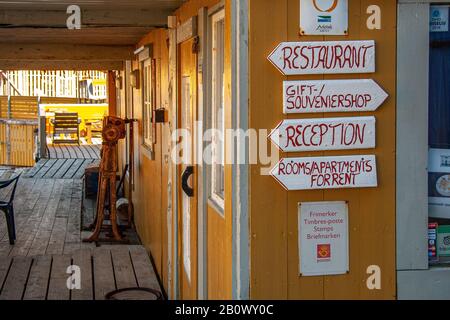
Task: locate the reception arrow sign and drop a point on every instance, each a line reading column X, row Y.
column 325, row 134
column 297, row 58
column 332, row 96
column 326, row 172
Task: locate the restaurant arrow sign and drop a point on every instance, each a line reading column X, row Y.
column 320, row 96
column 329, row 57
column 326, row 172
column 298, row 135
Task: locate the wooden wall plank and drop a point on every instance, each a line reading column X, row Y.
column 371, row 211
column 349, row 284
column 268, row 200
column 377, row 234
column 150, row 204
column 299, row 287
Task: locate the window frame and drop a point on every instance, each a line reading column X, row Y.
column 148, row 103
column 215, row 198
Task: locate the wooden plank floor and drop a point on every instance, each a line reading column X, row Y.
column 48, row 216
column 63, row 151
column 59, row 168
column 51, row 217
column 102, row 270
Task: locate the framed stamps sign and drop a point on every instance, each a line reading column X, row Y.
column 318, row 173
column 329, row 57
column 323, row 238
column 299, row 135
column 319, row 96
column 324, row 17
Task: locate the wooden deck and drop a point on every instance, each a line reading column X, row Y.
column 74, row 151
column 49, row 222
column 59, row 168
column 102, row 270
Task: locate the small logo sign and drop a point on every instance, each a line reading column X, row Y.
column 328, row 17
column 439, row 17
column 323, row 252
column 324, row 19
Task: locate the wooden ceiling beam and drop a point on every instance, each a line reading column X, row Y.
column 92, row 4
column 89, row 18
column 10, row 51
column 90, row 36
column 60, row 65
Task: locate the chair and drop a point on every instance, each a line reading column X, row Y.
column 7, row 208
column 66, row 124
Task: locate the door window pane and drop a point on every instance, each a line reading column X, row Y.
column 218, row 112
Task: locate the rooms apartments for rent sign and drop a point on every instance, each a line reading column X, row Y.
column 323, row 227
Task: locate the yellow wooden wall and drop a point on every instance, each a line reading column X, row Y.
column 273, row 211
column 21, row 136
column 150, row 185
column 219, row 234
column 151, row 176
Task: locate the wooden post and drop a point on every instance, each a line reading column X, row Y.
column 89, row 132
column 112, row 94
column 130, row 175
column 8, row 131
column 42, row 136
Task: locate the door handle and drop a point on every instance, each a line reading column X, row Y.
column 189, row 171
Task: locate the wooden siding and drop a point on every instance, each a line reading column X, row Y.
column 51, row 83
column 20, row 138
column 219, row 227
column 151, row 175
column 21, row 107
column 273, row 212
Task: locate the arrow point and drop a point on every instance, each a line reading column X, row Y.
column 274, row 136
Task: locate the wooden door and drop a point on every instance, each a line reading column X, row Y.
column 187, row 190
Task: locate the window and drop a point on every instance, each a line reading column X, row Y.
column 439, row 137
column 217, row 183
column 148, row 102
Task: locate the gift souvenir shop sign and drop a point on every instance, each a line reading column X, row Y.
column 323, row 17
column 323, row 238
column 320, row 96
column 326, row 172
column 297, row 58
column 299, row 135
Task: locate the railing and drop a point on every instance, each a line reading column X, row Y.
column 18, row 130
column 32, row 83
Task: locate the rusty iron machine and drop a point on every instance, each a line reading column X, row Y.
column 114, row 129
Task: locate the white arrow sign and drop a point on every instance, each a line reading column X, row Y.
column 326, row 172
column 332, row 96
column 299, row 135
column 297, row 58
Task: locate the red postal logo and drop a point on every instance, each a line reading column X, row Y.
column 323, row 252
